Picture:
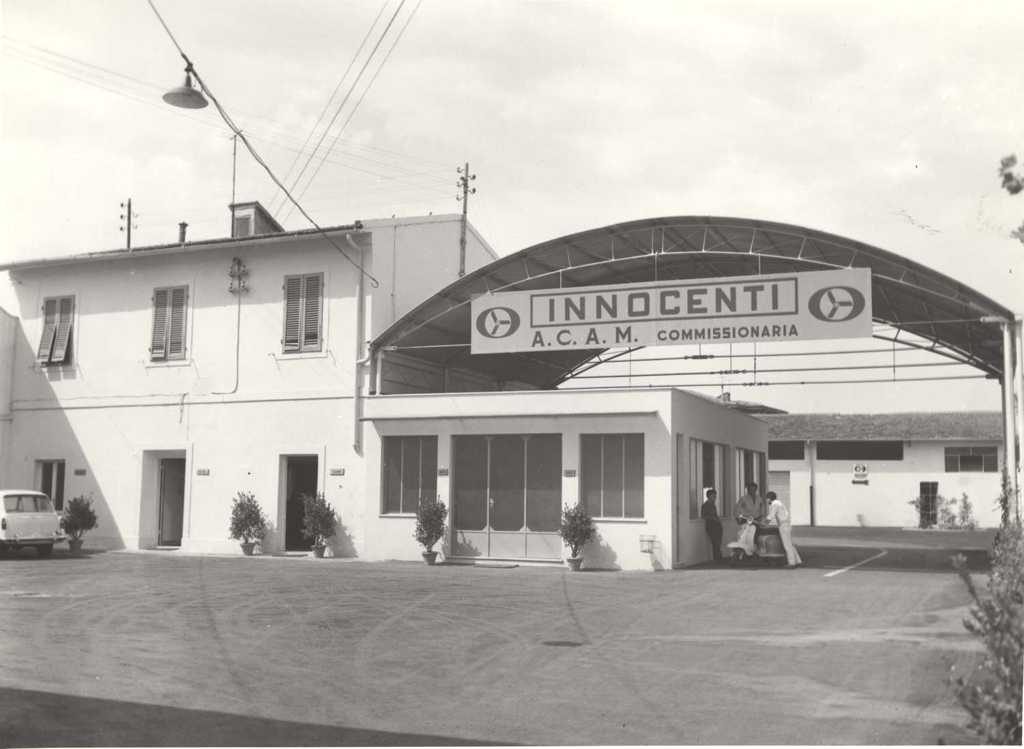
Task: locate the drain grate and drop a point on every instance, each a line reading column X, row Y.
column 562, row 643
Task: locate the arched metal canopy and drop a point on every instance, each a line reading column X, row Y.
column 907, row 296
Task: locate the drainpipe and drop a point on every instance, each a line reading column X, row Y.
column 1019, row 387
column 361, row 361
column 811, row 447
column 1009, row 408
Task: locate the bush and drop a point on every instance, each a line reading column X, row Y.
column 430, row 517
column 320, row 519
column 577, row 528
column 248, row 523
column 950, row 514
column 992, row 694
column 78, row 517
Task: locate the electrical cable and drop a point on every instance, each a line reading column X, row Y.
column 348, row 94
column 190, row 68
column 886, row 380
column 779, row 369
column 327, row 104
column 354, row 109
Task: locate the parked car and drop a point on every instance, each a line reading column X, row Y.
column 27, row 518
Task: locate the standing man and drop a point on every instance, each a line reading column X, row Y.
column 779, row 515
column 712, row 525
column 749, row 508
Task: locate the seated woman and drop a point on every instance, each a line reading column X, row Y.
column 778, row 515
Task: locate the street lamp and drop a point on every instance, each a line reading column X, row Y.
column 186, row 96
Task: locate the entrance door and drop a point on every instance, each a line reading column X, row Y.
column 928, row 506
column 300, row 479
column 172, row 501
column 507, row 494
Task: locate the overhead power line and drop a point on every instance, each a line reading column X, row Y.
column 778, row 369
column 327, row 104
column 762, row 383
column 355, row 108
column 189, row 67
column 337, row 111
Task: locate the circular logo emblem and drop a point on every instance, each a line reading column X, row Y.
column 497, row 322
column 836, row 303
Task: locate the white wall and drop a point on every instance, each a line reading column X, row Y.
column 550, row 411
column 884, row 501
column 703, row 419
column 8, row 332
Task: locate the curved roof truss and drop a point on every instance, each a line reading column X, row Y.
column 922, row 307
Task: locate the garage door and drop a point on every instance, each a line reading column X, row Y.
column 778, row 482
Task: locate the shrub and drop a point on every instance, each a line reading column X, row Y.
column 248, row 523
column 992, row 694
column 430, row 517
column 577, row 528
column 950, row 514
column 78, row 517
column 320, row 519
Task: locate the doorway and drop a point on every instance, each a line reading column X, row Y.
column 301, row 472
column 928, row 504
column 171, row 501
column 507, row 496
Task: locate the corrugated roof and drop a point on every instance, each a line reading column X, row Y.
column 955, row 425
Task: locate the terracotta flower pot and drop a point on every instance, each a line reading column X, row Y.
column 430, row 557
column 574, row 563
column 247, row 547
column 318, row 550
column 75, row 544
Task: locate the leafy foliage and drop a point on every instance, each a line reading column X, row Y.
column 1013, row 183
column 320, row 519
column 248, row 522
column 78, row 517
column 950, row 514
column 992, row 694
column 430, row 517
column 577, row 528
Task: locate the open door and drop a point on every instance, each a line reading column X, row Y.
column 300, row 479
column 172, row 501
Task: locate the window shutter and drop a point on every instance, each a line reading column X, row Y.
column 158, row 345
column 49, row 331
column 292, row 312
column 176, row 336
column 311, row 313
column 63, row 338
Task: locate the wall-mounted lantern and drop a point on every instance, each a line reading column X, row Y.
column 647, row 544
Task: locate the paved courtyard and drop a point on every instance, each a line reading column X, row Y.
column 166, row 649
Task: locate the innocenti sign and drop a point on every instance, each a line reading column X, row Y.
column 782, row 307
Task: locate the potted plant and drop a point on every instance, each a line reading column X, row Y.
column 576, row 529
column 319, row 521
column 248, row 523
column 430, row 517
column 78, row 518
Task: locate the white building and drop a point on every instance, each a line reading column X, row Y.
column 866, row 469
column 164, row 380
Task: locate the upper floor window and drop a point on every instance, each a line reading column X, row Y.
column 786, row 450
column 58, row 322
column 169, row 311
column 860, row 450
column 972, row 459
column 303, row 301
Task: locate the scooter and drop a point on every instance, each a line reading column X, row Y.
column 768, row 547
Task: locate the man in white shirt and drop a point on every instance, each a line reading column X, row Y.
column 779, row 515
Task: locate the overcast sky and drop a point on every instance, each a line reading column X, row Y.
column 883, row 122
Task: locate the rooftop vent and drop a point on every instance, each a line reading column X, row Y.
column 252, row 219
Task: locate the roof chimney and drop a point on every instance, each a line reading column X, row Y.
column 252, row 219
column 181, row 232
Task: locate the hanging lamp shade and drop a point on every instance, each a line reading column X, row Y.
column 186, row 96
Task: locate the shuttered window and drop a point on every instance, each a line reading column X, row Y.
column 170, row 308
column 58, row 324
column 303, row 313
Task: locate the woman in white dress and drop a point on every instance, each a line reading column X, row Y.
column 778, row 515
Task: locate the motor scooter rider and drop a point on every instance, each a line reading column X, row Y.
column 749, row 512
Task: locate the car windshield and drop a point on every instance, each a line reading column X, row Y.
column 27, row 503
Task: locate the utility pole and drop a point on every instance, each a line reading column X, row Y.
column 234, row 166
column 129, row 221
column 463, row 184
